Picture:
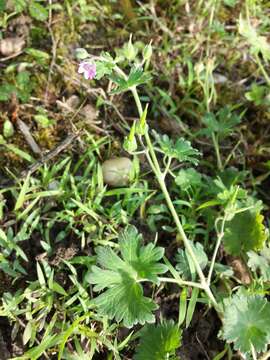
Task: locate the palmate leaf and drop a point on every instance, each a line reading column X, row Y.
column 182, row 265
column 158, row 342
column 180, row 150
column 246, row 322
column 221, row 124
column 260, row 262
column 258, row 44
column 104, row 67
column 244, row 232
column 125, row 301
column 188, row 178
column 258, row 94
column 136, row 77
column 121, row 276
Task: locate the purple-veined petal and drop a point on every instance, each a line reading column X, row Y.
column 87, row 69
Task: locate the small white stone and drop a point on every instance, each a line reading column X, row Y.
column 117, row 171
column 10, row 46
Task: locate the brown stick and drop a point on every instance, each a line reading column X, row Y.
column 28, row 137
column 50, row 155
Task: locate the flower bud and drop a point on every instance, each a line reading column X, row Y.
column 147, row 52
column 129, row 50
column 81, row 54
column 8, row 129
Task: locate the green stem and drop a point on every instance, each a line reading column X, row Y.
column 216, row 146
column 153, row 161
column 231, row 153
column 167, row 168
column 267, row 78
column 137, row 100
column 220, row 236
column 160, row 178
column 181, row 283
column 253, row 352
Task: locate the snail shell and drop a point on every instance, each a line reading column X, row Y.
column 117, row 171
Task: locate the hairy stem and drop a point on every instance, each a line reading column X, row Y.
column 180, row 282
column 220, row 236
column 167, row 168
column 253, row 352
column 156, row 169
column 153, row 161
column 216, row 146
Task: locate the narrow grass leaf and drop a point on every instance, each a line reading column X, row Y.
column 27, row 333
column 191, row 306
column 24, row 190
column 86, row 209
column 182, row 306
column 40, row 275
column 24, row 155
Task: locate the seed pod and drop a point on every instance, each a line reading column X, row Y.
column 117, row 172
column 10, row 46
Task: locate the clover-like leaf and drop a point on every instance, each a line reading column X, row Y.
column 158, row 342
column 122, row 276
column 246, row 322
column 244, row 232
column 180, row 150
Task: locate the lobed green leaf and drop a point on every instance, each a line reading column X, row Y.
column 122, row 276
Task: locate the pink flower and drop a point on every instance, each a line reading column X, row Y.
column 88, row 70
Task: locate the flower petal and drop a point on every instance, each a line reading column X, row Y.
column 88, row 70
